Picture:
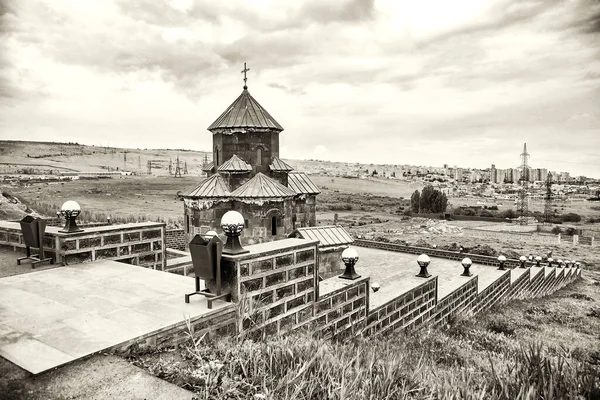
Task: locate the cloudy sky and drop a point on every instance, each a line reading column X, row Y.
column 426, row 82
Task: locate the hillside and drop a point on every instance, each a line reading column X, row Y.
column 50, row 158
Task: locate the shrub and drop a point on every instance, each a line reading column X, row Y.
column 571, row 217
column 556, row 230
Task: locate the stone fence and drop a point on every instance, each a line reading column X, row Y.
column 136, row 243
column 278, row 281
column 451, row 255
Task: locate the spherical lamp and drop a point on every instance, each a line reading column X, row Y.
column 349, row 258
column 375, row 287
column 523, row 261
column 210, row 234
column 70, row 210
column 550, row 261
column 560, row 263
column 501, row 261
column 538, row 261
column 232, row 224
column 466, row 263
column 423, row 261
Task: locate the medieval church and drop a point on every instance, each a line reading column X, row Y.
column 248, row 176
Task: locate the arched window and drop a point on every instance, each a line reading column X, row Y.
column 274, row 225
column 259, row 156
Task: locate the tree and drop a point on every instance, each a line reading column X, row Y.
column 414, row 201
column 430, row 200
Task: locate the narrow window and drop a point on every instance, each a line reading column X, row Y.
column 273, row 225
column 216, row 157
column 259, row 156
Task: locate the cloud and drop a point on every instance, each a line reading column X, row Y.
column 365, row 80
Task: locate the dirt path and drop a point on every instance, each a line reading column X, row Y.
column 99, row 377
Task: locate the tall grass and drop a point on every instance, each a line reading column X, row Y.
column 399, row 366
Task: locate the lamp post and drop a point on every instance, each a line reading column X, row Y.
column 423, row 261
column 466, row 263
column 349, row 257
column 70, row 210
column 232, row 224
column 523, row 261
column 501, row 261
column 538, row 261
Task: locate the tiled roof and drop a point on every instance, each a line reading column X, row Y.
column 332, row 235
column 235, row 164
column 245, row 112
column 261, row 186
column 208, row 167
column 279, row 165
column 212, row 187
column 301, row 183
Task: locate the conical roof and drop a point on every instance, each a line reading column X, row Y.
column 235, row 164
column 279, row 165
column 260, row 187
column 245, row 112
column 212, row 187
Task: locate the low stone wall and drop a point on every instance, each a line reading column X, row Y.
column 136, row 243
column 408, row 309
column 494, row 293
column 278, row 280
column 451, row 255
column 459, row 301
column 176, row 239
column 342, row 312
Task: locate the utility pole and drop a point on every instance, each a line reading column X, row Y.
column 548, row 199
column 523, row 200
column 177, row 169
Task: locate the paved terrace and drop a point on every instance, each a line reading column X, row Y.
column 395, row 272
column 51, row 317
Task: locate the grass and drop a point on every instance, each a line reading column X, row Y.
column 538, row 349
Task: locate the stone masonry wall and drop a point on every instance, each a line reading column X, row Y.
column 410, row 308
column 459, row 301
column 280, row 287
column 342, row 312
column 176, row 239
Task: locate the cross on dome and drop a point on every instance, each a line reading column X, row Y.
column 245, row 78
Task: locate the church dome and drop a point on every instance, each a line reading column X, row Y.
column 245, row 112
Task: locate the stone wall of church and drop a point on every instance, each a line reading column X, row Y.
column 246, row 145
column 258, row 218
column 305, row 211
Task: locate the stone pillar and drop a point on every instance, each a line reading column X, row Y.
column 575, row 240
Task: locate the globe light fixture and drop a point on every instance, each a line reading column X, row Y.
column 550, row 261
column 375, row 286
column 232, row 224
column 210, row 234
column 523, row 261
column 349, row 258
column 423, row 261
column 70, row 210
column 560, row 263
column 501, row 261
column 578, row 264
column 538, row 261
column 466, row 263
